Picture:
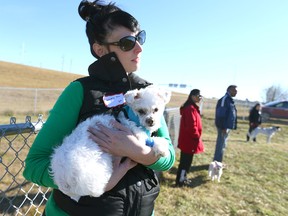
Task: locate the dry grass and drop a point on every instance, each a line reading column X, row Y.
column 254, row 182
column 20, row 76
column 36, row 99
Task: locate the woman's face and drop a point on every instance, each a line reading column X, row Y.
column 196, row 98
column 130, row 60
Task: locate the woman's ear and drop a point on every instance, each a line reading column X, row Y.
column 100, row 50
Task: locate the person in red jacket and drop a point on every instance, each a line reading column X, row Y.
column 189, row 141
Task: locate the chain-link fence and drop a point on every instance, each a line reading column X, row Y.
column 33, row 101
column 19, row 197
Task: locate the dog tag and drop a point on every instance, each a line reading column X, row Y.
column 113, row 100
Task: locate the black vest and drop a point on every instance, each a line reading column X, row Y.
column 135, row 193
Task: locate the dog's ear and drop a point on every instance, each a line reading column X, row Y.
column 130, row 96
column 219, row 164
column 164, row 94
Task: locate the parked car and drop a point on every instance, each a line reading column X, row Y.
column 275, row 109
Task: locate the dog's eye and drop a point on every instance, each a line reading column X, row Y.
column 156, row 110
column 141, row 112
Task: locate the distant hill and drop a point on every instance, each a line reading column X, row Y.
column 22, row 76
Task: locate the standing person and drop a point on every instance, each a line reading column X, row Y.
column 255, row 119
column 225, row 120
column 116, row 41
column 189, row 141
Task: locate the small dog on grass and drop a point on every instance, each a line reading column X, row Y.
column 268, row 131
column 215, row 170
column 79, row 167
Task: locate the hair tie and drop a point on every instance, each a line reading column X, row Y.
column 103, row 2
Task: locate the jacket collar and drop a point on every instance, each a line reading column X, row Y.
column 228, row 94
column 108, row 68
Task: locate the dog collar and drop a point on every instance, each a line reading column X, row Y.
column 133, row 117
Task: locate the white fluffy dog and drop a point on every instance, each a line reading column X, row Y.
column 80, row 168
column 268, row 131
column 215, row 170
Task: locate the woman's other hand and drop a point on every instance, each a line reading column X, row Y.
column 120, row 168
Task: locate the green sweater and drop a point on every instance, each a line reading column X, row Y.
column 62, row 120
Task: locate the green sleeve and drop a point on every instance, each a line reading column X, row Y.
column 164, row 163
column 61, row 121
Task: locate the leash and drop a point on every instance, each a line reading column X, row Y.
column 117, row 110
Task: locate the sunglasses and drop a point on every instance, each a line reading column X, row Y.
column 128, row 43
column 199, row 96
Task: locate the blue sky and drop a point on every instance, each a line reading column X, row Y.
column 207, row 44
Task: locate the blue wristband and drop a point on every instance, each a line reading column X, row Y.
column 150, row 142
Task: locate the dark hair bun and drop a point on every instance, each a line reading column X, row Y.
column 88, row 10
column 84, row 10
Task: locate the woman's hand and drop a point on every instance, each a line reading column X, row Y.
column 120, row 141
column 116, row 141
column 119, row 170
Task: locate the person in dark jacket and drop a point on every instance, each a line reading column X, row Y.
column 189, row 140
column 225, row 120
column 255, row 119
column 116, row 41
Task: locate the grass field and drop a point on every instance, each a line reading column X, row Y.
column 254, row 181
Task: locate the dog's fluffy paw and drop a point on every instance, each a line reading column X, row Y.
column 160, row 147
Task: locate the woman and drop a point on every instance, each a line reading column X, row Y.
column 116, row 41
column 255, row 119
column 189, row 141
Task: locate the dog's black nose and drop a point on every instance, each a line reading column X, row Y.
column 150, row 121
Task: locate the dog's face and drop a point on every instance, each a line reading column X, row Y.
column 217, row 166
column 277, row 128
column 148, row 104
